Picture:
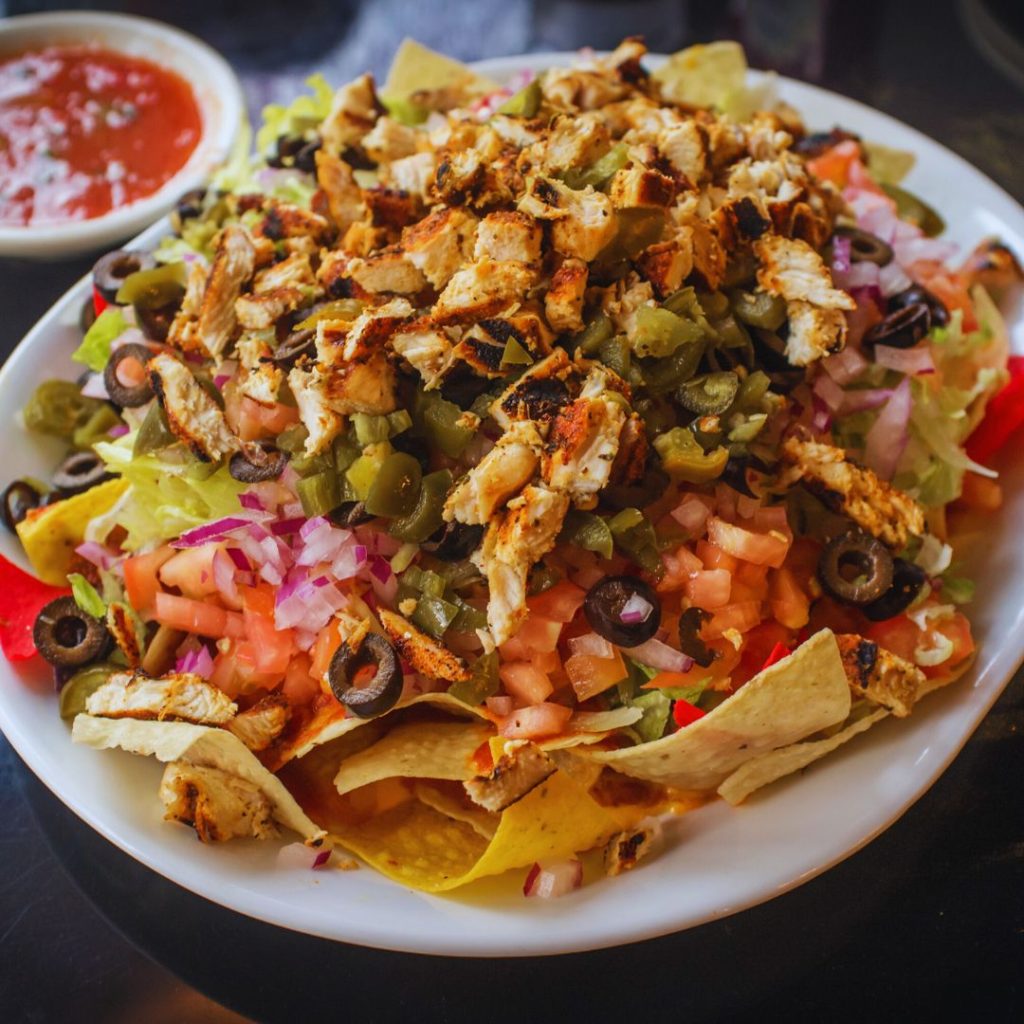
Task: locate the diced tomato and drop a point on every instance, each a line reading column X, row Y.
column 200, row 617
column 742, row 617
column 757, row 648
column 753, row 576
column 299, row 686
column 539, row 634
column 902, row 636
column 98, row 302
column 759, row 548
column 713, row 557
column 549, row 662
column 590, row 675
column 235, row 671
column 709, row 589
column 141, row 582
column 834, row 164
column 273, row 647
column 560, row 602
column 1004, row 416
column 327, row 643
column 684, row 713
column 680, row 565
column 958, row 629
column 514, row 649
column 981, row 493
column 525, row 682
column 252, row 420
column 898, row 634
column 258, row 599
column 779, row 651
column 946, row 285
column 22, row 597
column 538, row 720
column 841, row 618
column 788, row 602
column 669, row 679
column 191, row 571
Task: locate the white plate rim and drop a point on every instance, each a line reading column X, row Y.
column 587, row 919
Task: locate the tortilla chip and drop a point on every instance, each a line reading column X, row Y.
column 794, row 698
column 777, row 763
column 417, row 68
column 417, row 750
column 450, row 800
column 199, row 745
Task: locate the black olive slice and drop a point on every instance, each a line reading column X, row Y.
column 87, row 314
column 378, row 695
column 79, row 472
column 19, row 498
column 865, row 247
column 907, row 581
column 603, row 607
column 855, row 568
column 190, row 204
column 902, row 329
column 66, row 636
column 690, row 643
column 109, row 272
column 349, row 514
column 455, row 542
column 155, row 322
column 914, row 294
column 305, row 158
column 258, row 461
column 126, row 395
column 297, row 344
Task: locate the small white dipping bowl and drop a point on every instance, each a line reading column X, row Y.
column 217, row 92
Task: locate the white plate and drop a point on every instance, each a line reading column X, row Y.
column 719, row 860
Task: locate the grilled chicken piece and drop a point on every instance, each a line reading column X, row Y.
column 389, row 271
column 260, row 379
column 319, row 419
column 261, row 311
column 261, row 724
column 294, row 271
column 521, row 768
column 353, row 113
column 684, row 145
column 583, row 221
column 180, row 696
column 639, row 187
column 508, row 235
column 426, row 655
column 582, row 445
column 193, row 416
column 513, row 544
column 484, row 288
column 389, row 140
column 217, row 804
column 572, row 89
column 440, row 244
column 571, row 142
column 626, row 849
column 563, row 301
column 880, row 675
column 623, row 300
column 665, row 265
column 877, row 507
column 426, row 348
column 122, row 629
column 507, row 468
column 344, row 197
column 813, row 332
column 412, row 174
column 792, row 269
column 539, row 393
column 483, row 347
column 283, row 221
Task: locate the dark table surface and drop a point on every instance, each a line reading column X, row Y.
column 927, row 922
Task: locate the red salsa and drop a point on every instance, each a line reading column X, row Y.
column 84, row 130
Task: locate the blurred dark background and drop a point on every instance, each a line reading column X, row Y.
column 926, row 923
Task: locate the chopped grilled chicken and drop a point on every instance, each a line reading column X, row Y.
column 412, row 174
column 572, row 89
column 626, row 849
column 583, row 221
column 440, row 244
column 259, row 379
column 180, row 696
column 639, row 187
column 283, row 221
column 193, row 416
column 319, row 419
column 501, row 474
column 485, row 345
column 261, row 724
column 877, row 507
column 460, row 173
column 427, row 656
column 426, row 348
column 880, row 675
column 582, row 445
column 389, row 271
column 684, row 146
column 623, row 300
column 813, row 332
column 539, row 393
column 392, row 209
column 572, row 142
column 508, row 235
column 258, row 312
column 122, row 629
column 665, row 265
column 521, row 768
column 294, row 271
column 563, row 301
column 631, row 459
column 484, row 288
column 344, row 197
column 513, row 544
column 389, row 140
column 217, row 804
column 353, row 113
column 791, row 268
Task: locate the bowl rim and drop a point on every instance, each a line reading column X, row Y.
column 221, row 123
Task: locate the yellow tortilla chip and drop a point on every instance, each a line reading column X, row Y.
column 199, row 745
column 798, row 696
column 441, row 797
column 778, row 763
column 51, row 534
column 417, row 68
column 417, row 750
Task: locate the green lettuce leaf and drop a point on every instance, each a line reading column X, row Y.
column 86, row 597
column 300, row 115
column 95, row 348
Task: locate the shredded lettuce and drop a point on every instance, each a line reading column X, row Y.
column 165, row 498
column 95, row 348
column 86, row 596
column 299, row 116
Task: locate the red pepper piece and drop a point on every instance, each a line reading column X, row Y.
column 21, row 599
column 684, row 713
column 1003, row 417
column 98, row 302
column 779, row 651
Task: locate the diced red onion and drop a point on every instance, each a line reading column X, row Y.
column 299, row 855
column 888, row 436
column 286, row 526
column 321, row 858
column 659, row 655
column 94, row 387
column 591, row 644
column 380, row 568
column 746, row 506
column 829, row 392
column 860, row 275
column 349, row 560
column 217, row 530
column 100, row 556
column 869, row 293
column 858, row 400
column 224, row 575
column 821, row 418
column 892, row 278
column 500, row 706
column 846, row 366
column 312, row 526
column 910, row 361
column 635, row 610
column 197, row 660
column 238, row 557
column 553, row 879
column 119, row 430
column 251, row 501
column 691, row 514
column 841, row 250
column 387, row 591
